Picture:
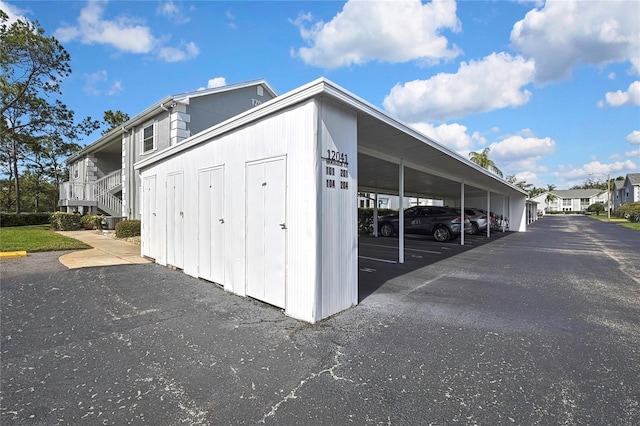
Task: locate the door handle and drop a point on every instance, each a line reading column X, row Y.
column 283, row 226
column 221, row 220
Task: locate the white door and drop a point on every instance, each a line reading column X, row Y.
column 266, row 231
column 211, row 256
column 175, row 220
column 149, row 217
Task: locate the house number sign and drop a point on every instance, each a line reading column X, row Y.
column 336, row 160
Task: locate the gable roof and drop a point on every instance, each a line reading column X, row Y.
column 618, row 184
column 161, row 105
column 634, row 178
column 577, row 193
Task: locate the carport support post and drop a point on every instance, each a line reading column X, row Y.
column 462, row 213
column 375, row 215
column 503, row 223
column 488, row 213
column 401, row 213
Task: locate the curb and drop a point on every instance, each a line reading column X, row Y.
column 9, row 254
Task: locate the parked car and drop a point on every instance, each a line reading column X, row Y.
column 478, row 219
column 442, row 223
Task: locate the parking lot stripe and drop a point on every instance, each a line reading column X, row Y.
column 396, row 248
column 377, row 260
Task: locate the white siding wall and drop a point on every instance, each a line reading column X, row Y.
column 339, row 214
column 292, row 133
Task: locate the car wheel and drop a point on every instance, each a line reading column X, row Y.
column 386, row 230
column 474, row 228
column 441, row 234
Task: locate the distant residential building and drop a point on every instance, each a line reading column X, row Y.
column 570, row 200
column 626, row 191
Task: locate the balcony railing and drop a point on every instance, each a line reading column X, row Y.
column 77, row 191
column 98, row 192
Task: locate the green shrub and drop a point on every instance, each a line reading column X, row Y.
column 27, row 219
column 91, row 221
column 630, row 211
column 596, row 208
column 62, row 221
column 128, row 228
column 365, row 218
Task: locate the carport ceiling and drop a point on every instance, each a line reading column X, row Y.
column 430, row 170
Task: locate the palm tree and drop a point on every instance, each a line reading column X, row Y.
column 482, row 159
column 550, row 196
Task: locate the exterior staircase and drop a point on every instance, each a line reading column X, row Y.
column 101, row 194
column 104, row 190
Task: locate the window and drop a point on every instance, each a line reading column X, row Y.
column 148, row 138
column 566, row 201
column 76, row 171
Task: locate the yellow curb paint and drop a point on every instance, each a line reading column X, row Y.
column 6, row 254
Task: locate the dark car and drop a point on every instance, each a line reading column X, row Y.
column 442, row 223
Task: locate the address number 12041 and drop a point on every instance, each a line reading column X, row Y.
column 337, row 156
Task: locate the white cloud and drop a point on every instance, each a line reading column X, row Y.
column 518, row 148
column 564, row 33
column 185, row 52
column 116, row 87
column 594, row 170
column 231, row 20
column 454, row 136
column 618, row 98
column 96, row 82
column 171, row 10
column 385, row 31
column 634, row 137
column 13, row 12
column 214, row 82
column 125, row 34
column 492, row 83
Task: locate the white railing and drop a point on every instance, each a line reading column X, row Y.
column 109, row 203
column 110, row 181
column 77, row 191
column 98, row 191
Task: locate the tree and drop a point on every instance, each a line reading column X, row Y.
column 596, row 208
column 114, row 119
column 32, row 68
column 522, row 184
column 550, row 197
column 482, row 159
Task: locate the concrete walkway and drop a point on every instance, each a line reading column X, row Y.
column 106, row 251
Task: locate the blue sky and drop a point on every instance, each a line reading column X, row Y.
column 552, row 88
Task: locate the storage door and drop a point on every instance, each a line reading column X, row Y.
column 149, row 216
column 266, row 231
column 175, row 220
column 211, row 255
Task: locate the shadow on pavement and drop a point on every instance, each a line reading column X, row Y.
column 377, row 257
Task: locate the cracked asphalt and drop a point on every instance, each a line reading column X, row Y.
column 533, row 328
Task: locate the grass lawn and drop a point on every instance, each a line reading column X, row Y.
column 36, row 238
column 617, row 220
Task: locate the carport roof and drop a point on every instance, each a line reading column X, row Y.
column 383, row 143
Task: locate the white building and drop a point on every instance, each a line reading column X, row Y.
column 570, row 200
column 264, row 203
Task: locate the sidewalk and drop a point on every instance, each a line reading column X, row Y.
column 106, row 251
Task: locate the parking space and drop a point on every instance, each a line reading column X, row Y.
column 378, row 256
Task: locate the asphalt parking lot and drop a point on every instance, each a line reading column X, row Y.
column 528, row 328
